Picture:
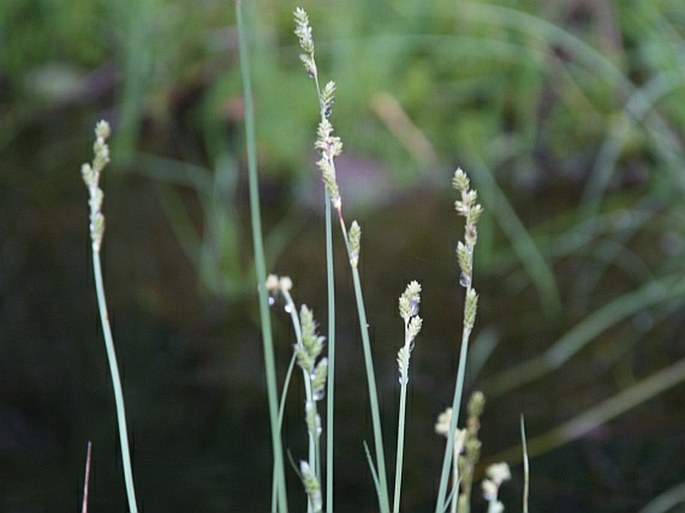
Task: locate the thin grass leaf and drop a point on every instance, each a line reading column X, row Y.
column 654, row 293
column 596, row 416
column 372, row 468
column 520, row 239
column 260, row 265
column 666, row 501
column 526, row 468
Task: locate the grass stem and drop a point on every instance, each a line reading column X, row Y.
column 449, row 449
column 260, row 266
column 409, row 312
column 598, row 415
column 468, row 208
column 400, row 448
column 91, row 177
column 330, row 396
column 86, row 478
column 526, row 467
column 116, row 383
column 382, row 491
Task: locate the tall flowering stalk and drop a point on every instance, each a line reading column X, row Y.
column 468, row 208
column 409, row 312
column 91, row 176
column 326, row 98
column 307, row 351
column 330, row 147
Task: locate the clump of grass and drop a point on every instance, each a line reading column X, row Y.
column 330, row 147
column 91, row 176
column 309, row 345
column 326, row 98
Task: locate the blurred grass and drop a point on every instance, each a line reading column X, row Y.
column 568, row 114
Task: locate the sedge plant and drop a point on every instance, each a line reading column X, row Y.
column 318, row 371
column 308, row 348
column 330, row 147
column 462, row 449
column 409, row 312
column 91, row 176
column 303, row 31
column 468, row 208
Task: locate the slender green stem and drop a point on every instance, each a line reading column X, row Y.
column 468, row 208
column 369, row 460
column 86, row 478
column 382, row 481
column 330, row 285
column 291, row 310
column 456, row 404
column 400, row 447
column 330, row 148
column 116, row 383
column 330, row 398
column 260, row 266
column 453, row 499
column 281, row 411
column 383, row 500
column 284, row 392
column 409, row 312
column 313, row 450
column 526, row 468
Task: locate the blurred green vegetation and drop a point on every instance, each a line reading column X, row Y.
column 569, row 116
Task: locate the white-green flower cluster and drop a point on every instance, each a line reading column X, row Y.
column 327, row 100
column 496, row 474
column 354, row 238
column 466, row 449
column 328, row 145
column 309, row 345
column 471, row 210
column 309, row 350
column 442, row 427
column 276, row 285
column 409, row 312
column 91, row 177
column 312, row 487
column 303, row 31
column 467, row 206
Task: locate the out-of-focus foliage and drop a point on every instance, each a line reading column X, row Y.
column 568, row 114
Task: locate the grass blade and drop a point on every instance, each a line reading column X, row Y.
column 658, row 291
column 330, row 395
column 91, row 177
column 526, row 468
column 260, row 266
column 600, row 414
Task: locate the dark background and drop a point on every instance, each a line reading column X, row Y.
column 567, row 114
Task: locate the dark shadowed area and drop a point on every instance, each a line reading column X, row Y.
column 567, row 114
